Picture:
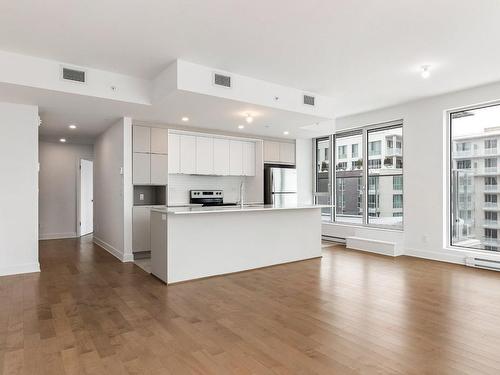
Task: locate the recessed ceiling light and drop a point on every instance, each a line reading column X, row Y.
column 286, row 132
column 63, row 140
column 424, row 71
column 72, row 126
column 249, row 118
column 241, row 126
column 185, row 119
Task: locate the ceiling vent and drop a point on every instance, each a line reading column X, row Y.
column 309, row 100
column 222, row 80
column 73, row 75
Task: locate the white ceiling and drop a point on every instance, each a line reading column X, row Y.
column 364, row 54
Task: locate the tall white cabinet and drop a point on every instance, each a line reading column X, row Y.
column 150, row 160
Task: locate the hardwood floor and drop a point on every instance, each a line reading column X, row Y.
column 350, row 312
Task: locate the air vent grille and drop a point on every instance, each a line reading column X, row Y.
column 73, row 75
column 222, row 80
column 309, row 100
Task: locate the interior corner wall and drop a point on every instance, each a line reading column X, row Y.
column 109, row 190
column 425, row 185
column 58, row 180
column 304, row 165
column 19, row 189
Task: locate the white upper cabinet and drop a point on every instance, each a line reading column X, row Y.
column 188, row 154
column 279, row 152
column 174, row 149
column 287, row 153
column 141, row 168
column 204, row 155
column 235, row 158
column 221, row 156
column 159, row 169
column 141, row 139
column 159, row 141
column 271, row 151
column 248, row 158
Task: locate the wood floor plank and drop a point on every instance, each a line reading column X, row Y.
column 347, row 313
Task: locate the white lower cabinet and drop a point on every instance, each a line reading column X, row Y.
column 141, row 229
column 159, row 169
column 221, row 157
column 141, row 169
column 235, row 158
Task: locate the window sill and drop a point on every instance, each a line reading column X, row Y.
column 364, row 226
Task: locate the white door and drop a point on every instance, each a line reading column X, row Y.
column 86, row 197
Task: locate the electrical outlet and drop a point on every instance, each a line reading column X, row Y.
column 141, row 197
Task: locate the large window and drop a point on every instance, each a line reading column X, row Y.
column 474, row 172
column 322, row 191
column 367, row 178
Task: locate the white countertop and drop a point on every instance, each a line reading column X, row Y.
column 245, row 208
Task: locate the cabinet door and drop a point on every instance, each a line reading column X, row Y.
column 249, row 158
column 221, row 157
column 271, row 151
column 141, row 139
column 204, row 155
column 287, row 153
column 188, row 154
column 159, row 169
column 141, row 169
column 141, row 229
column 159, row 141
column 235, row 158
column 174, row 150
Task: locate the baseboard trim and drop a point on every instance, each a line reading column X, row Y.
column 113, row 251
column 20, row 269
column 57, row 236
column 443, row 256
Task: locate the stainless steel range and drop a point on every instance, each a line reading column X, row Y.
column 208, row 198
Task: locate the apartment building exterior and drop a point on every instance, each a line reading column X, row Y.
column 475, row 190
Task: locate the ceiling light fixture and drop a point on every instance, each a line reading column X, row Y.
column 72, row 126
column 249, row 118
column 424, row 71
column 241, row 126
column 63, row 140
column 185, row 119
column 286, row 132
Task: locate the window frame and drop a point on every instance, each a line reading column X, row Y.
column 364, row 156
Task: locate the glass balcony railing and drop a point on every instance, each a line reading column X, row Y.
column 394, row 152
column 490, row 205
column 491, row 224
column 491, row 187
column 490, row 151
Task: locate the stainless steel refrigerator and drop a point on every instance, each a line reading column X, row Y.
column 280, row 185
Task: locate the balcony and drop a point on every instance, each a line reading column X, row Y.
column 490, row 241
column 492, row 188
column 490, row 151
column 394, row 152
column 494, row 224
column 491, row 206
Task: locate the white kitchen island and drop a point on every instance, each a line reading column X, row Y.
column 194, row 242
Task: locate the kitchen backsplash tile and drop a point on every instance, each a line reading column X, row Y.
column 180, row 184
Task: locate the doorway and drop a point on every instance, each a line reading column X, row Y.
column 86, row 198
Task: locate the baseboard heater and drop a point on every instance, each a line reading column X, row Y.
column 487, row 264
column 325, row 237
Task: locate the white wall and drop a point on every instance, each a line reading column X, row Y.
column 18, row 189
column 304, row 165
column 112, row 202
column 58, row 179
column 424, row 170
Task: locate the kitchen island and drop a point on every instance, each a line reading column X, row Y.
column 194, row 242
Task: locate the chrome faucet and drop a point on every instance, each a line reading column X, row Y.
column 242, row 186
